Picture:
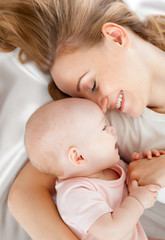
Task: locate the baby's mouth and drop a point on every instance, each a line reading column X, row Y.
column 119, row 100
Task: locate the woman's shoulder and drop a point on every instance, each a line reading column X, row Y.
column 116, row 118
column 136, row 134
column 148, row 115
column 153, row 115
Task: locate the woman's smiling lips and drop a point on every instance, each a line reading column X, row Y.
column 119, row 103
column 119, row 100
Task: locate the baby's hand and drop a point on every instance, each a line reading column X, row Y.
column 147, row 154
column 146, row 195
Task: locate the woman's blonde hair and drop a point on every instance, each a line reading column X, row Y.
column 42, row 29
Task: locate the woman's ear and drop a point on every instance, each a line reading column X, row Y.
column 75, row 157
column 116, row 33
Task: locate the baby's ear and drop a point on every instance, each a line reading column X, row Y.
column 75, row 157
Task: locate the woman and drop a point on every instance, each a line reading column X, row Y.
column 111, row 57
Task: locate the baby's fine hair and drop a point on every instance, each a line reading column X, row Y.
column 42, row 29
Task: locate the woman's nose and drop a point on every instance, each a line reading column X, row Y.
column 103, row 104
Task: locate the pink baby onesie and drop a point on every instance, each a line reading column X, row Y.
column 81, row 201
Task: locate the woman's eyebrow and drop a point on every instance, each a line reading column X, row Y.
column 79, row 81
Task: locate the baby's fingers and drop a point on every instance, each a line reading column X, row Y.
column 161, row 152
column 149, row 153
column 135, row 156
column 146, row 154
column 153, row 153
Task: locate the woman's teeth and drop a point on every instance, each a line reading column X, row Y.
column 119, row 100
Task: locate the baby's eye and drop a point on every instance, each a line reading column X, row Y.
column 94, row 86
column 104, row 128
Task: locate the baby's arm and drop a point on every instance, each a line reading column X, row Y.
column 30, row 202
column 121, row 222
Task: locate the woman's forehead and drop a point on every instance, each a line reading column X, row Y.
column 67, row 71
column 78, row 59
column 68, row 68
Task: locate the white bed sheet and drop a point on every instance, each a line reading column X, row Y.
column 23, row 88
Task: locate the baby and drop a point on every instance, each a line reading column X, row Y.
column 70, row 139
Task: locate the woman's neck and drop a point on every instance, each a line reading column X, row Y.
column 155, row 61
column 157, row 101
column 153, row 65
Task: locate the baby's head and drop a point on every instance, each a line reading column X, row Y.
column 69, row 138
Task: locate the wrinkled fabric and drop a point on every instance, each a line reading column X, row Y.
column 135, row 134
column 22, row 90
column 83, row 200
column 144, row 8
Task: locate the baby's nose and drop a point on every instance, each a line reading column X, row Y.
column 111, row 129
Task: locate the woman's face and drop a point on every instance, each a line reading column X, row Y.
column 108, row 74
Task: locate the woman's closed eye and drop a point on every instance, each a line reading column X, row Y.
column 90, row 85
column 87, row 83
column 94, row 86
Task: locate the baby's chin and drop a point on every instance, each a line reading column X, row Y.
column 117, row 158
